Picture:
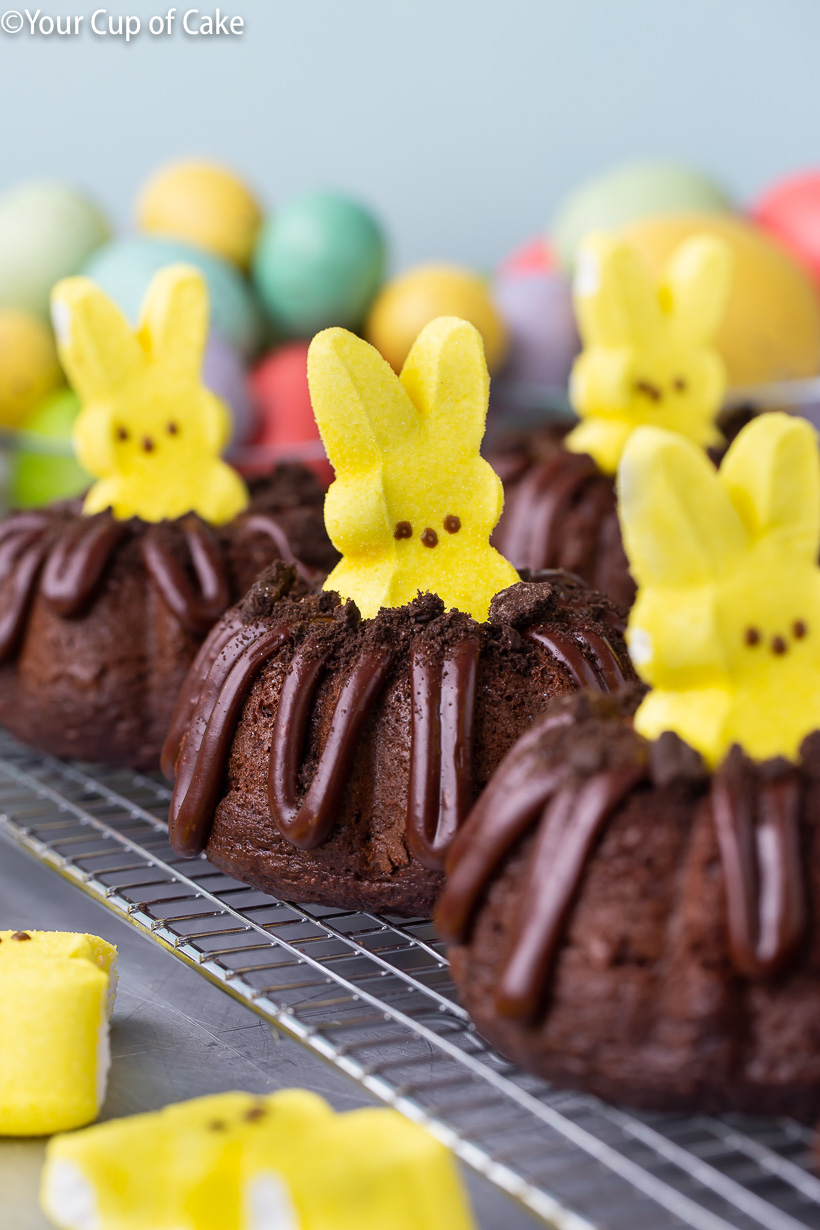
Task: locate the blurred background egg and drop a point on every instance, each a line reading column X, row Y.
column 224, row 373
column 286, row 426
column 318, row 262
column 43, row 467
column 790, row 212
column 411, row 300
column 47, row 232
column 124, row 268
column 534, row 256
column 772, row 326
column 627, row 193
column 29, row 367
column 536, row 307
column 202, row 204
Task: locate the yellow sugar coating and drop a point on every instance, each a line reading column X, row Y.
column 405, row 450
column 149, row 430
column 237, row 1162
column 726, row 625
column 649, row 354
column 56, row 995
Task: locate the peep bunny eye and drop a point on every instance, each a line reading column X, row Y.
column 679, row 384
column 122, row 433
column 799, row 629
column 751, row 637
column 648, row 389
column 172, row 429
column 452, row 523
column 403, row 530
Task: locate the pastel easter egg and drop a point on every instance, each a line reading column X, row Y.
column 318, row 262
column 40, row 476
column 771, row 330
column 411, row 300
column 790, row 211
column 224, row 373
column 47, row 232
column 536, row 308
column 203, row 204
column 287, row 426
column 627, row 193
column 125, row 267
column 29, row 367
column 534, row 256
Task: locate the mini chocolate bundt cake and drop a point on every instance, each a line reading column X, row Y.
column 624, row 922
column 330, row 759
column 560, row 511
column 100, row 619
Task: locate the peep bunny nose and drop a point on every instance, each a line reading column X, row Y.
column 148, row 444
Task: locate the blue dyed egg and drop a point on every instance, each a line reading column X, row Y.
column 319, row 262
column 125, row 268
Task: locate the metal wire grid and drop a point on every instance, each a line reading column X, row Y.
column 373, row 996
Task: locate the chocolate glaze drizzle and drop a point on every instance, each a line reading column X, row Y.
column 756, row 813
column 443, row 689
column 758, row 830
column 308, row 825
column 441, row 754
column 67, row 557
column 204, row 758
column 530, row 533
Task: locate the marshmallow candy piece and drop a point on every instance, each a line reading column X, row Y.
column 237, row 1162
column 56, row 995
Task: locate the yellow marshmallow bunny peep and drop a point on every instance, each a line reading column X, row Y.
column 649, row 355
column 726, row 625
column 414, row 503
column 149, row 429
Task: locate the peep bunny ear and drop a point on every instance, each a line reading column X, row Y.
column 696, row 285
column 679, row 525
column 772, row 475
column 445, row 376
column 174, row 319
column 97, row 348
column 359, row 405
column 615, row 299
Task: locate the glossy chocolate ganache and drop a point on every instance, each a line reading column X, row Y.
column 625, row 922
column 100, row 619
column 560, row 511
column 332, row 759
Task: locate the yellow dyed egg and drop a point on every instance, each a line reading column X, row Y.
column 771, row 330
column 203, row 204
column 409, row 302
column 29, row 367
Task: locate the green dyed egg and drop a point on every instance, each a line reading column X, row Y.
column 47, row 232
column 628, row 193
column 40, row 477
column 124, row 269
column 319, row 262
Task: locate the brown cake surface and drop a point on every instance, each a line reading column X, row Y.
column 100, row 619
column 330, row 759
column 624, row 922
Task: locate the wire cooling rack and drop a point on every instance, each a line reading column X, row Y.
column 374, row 997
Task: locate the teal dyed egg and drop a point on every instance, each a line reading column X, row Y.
column 319, row 262
column 47, row 232
column 125, row 268
column 628, row 193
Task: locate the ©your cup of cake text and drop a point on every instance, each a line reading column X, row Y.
column 195, row 23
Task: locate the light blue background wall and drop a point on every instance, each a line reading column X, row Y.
column 462, row 121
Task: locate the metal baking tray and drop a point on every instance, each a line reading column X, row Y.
column 373, row 996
